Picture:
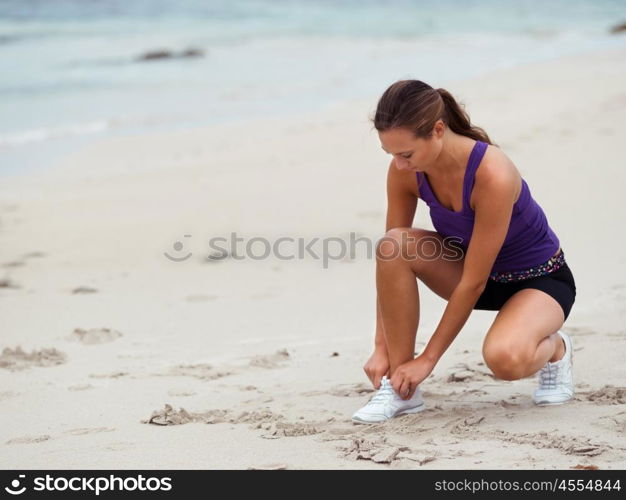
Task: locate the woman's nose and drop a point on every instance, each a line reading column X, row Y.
column 402, row 164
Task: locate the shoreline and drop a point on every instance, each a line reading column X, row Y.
column 116, row 127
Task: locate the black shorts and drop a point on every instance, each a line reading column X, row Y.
column 558, row 284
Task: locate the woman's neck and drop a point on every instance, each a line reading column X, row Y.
column 452, row 160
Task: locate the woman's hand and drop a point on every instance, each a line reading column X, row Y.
column 377, row 366
column 409, row 375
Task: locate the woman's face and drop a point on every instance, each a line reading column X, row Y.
column 410, row 153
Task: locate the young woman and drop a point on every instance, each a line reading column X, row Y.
column 492, row 249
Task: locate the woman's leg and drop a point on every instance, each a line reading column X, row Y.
column 402, row 256
column 523, row 338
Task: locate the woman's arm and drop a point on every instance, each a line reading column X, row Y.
column 495, row 189
column 401, row 207
column 402, row 196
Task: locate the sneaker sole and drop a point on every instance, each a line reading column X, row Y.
column 416, row 409
column 552, row 403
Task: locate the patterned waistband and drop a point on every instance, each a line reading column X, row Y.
column 555, row 262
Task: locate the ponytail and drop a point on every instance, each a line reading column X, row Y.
column 458, row 120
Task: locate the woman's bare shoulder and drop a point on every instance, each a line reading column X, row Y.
column 497, row 167
column 496, row 162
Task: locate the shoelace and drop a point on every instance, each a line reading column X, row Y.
column 383, row 393
column 549, row 376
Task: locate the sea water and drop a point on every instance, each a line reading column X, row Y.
column 71, row 70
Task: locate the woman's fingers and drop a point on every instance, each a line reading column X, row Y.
column 412, row 389
column 405, row 388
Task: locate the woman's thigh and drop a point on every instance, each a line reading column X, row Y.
column 558, row 285
column 435, row 260
column 524, row 320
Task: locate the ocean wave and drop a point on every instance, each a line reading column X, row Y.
column 24, row 137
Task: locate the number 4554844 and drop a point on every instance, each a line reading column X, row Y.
column 589, row 485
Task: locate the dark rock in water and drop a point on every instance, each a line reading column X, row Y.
column 168, row 54
column 156, row 54
column 192, row 53
column 619, row 28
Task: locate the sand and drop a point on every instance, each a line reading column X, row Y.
column 114, row 356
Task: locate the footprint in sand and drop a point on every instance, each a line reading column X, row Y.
column 340, row 433
column 467, row 424
column 615, row 423
column 84, row 289
column 81, row 431
column 7, row 283
column 275, row 360
column 30, row 255
column 271, row 423
column 205, row 371
column 17, row 359
column 567, row 444
column 462, row 372
column 507, row 404
column 620, row 335
column 382, row 452
column 15, row 263
column 80, row 387
column 29, row 439
column 201, row 371
column 180, row 393
column 277, row 430
column 463, row 392
column 8, row 395
column 169, row 416
column 94, row 335
column 116, row 374
column 344, row 391
column 607, row 395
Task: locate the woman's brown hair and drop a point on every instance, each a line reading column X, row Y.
column 416, row 106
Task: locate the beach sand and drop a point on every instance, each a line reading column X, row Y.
column 129, row 360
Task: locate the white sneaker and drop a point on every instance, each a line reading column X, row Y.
column 556, row 384
column 387, row 404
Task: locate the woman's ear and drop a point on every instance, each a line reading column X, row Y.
column 439, row 129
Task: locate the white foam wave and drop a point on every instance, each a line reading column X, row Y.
column 24, row 137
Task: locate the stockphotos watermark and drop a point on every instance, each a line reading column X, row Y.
column 324, row 249
column 95, row 485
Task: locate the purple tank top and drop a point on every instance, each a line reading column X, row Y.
column 529, row 240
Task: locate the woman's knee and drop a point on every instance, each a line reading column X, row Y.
column 406, row 243
column 506, row 361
